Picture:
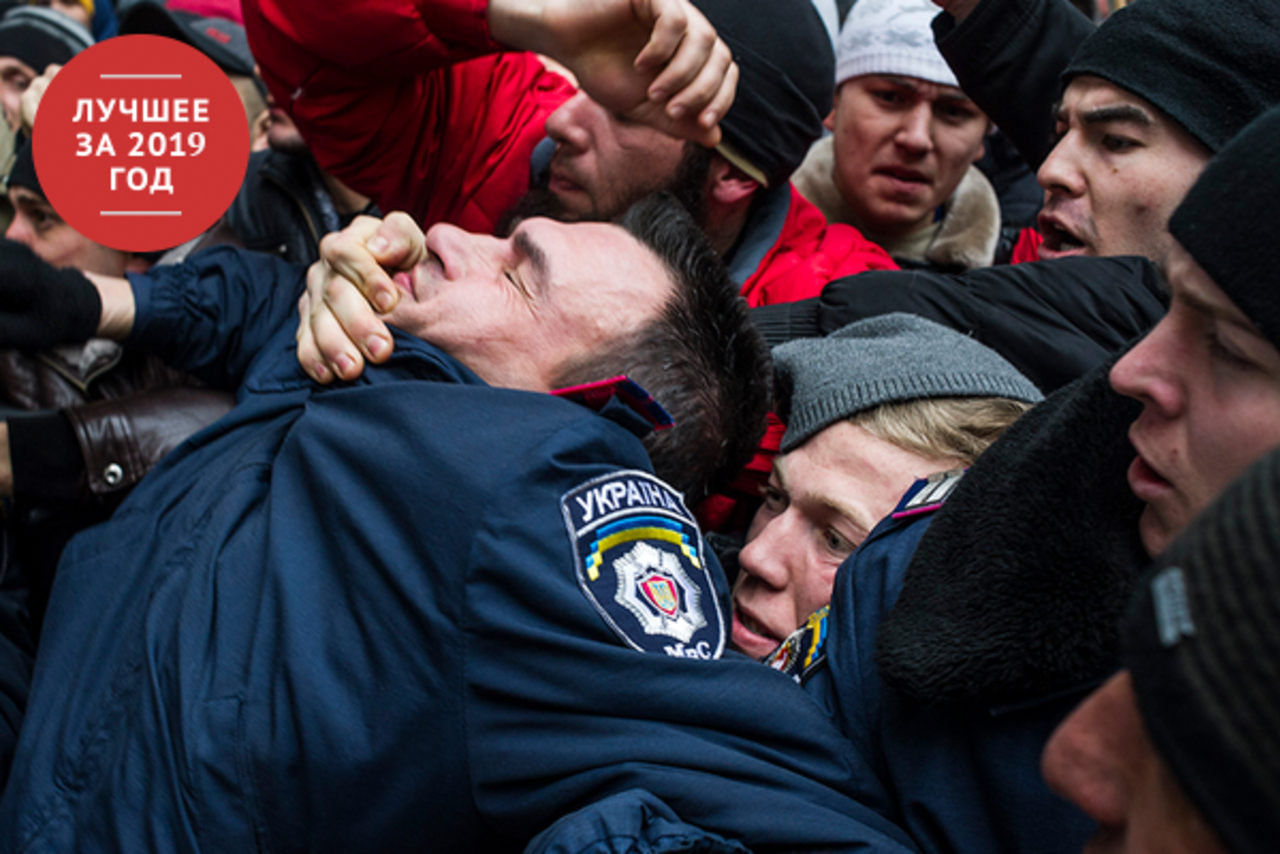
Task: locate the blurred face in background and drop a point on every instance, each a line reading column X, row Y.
column 902, row 145
column 37, row 225
column 15, row 77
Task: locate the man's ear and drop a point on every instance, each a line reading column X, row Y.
column 727, row 184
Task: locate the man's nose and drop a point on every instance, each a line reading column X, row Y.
column 566, row 125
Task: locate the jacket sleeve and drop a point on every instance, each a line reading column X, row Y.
column 1008, row 56
column 121, row 440
column 212, row 314
column 1054, row 320
column 408, row 102
column 97, row 451
column 17, row 655
column 630, row 821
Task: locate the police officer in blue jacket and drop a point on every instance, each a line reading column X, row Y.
column 436, row 608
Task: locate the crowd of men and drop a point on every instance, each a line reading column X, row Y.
column 494, row 524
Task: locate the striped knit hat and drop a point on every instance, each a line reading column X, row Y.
column 1203, row 646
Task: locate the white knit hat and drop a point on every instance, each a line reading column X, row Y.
column 891, row 37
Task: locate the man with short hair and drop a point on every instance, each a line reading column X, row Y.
column 1149, row 96
column 597, row 161
column 1172, row 753
column 989, row 631
column 393, row 614
column 898, row 164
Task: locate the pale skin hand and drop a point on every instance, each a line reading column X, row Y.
column 31, row 98
column 338, row 328
column 659, row 62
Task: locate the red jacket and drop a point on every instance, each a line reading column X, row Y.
column 409, row 102
column 808, row 253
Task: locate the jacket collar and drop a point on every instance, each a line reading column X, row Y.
column 1016, row 590
column 970, row 226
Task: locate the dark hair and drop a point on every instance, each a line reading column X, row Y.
column 702, row 359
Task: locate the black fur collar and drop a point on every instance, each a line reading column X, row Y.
column 1017, row 588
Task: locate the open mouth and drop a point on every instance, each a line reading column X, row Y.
column 1145, row 481
column 750, row 624
column 907, row 176
column 750, row 636
column 1058, row 240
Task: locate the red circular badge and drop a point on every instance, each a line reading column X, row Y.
column 140, row 143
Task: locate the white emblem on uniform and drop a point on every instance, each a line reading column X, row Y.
column 655, row 588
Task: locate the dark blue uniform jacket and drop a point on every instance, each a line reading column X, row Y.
column 408, row 613
column 958, row 777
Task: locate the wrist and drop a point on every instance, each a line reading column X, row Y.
column 118, row 307
column 517, row 24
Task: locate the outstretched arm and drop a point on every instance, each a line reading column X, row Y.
column 208, row 316
column 1008, row 56
column 658, row 61
column 416, row 105
column 1054, row 320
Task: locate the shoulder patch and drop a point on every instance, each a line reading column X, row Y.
column 641, row 564
column 932, row 495
column 804, row 650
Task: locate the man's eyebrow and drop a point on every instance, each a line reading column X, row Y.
column 904, row 82
column 1102, row 115
column 1117, row 113
column 529, row 248
column 1197, row 302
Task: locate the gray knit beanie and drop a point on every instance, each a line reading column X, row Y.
column 1202, row 642
column 887, row 359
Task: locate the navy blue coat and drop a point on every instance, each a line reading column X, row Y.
column 958, row 777
column 408, row 613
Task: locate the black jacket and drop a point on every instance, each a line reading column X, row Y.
column 283, row 207
column 1008, row 56
column 1053, row 320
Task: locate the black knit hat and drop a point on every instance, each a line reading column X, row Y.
column 40, row 36
column 1227, row 222
column 1212, row 66
column 1203, row 646
column 785, row 86
column 23, row 171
